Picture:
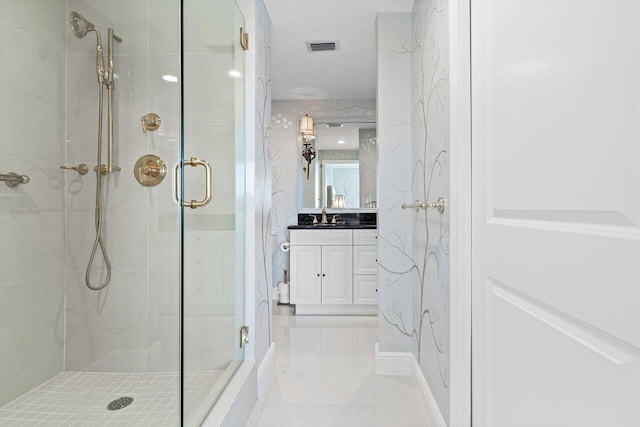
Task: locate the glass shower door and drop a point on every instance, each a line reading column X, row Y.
column 213, row 230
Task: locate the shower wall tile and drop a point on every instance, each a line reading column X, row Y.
column 31, row 333
column 42, row 21
column 129, row 19
column 131, row 101
column 164, row 320
column 82, row 112
column 124, row 222
column 211, row 103
column 164, row 227
column 32, row 111
column 164, row 27
column 199, row 18
column 107, row 330
column 164, row 100
column 32, row 239
column 126, row 218
column 32, row 108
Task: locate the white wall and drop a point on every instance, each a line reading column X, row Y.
column 287, row 161
column 32, row 108
column 430, row 141
column 264, row 240
column 396, row 319
column 413, row 131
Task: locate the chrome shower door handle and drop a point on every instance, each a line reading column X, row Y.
column 193, row 204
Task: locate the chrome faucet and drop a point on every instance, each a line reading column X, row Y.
column 324, row 216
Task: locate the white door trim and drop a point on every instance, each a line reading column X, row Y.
column 460, row 214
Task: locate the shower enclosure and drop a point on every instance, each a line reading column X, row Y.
column 157, row 344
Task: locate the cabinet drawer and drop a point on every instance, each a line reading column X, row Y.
column 365, row 237
column 365, row 289
column 365, row 260
column 321, row 237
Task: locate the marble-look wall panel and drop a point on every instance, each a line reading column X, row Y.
column 430, row 65
column 263, row 185
column 32, row 108
column 108, row 330
column 396, row 323
column 287, row 161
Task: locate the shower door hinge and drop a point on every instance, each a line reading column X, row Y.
column 244, row 336
column 244, row 39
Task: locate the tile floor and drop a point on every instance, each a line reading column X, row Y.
column 324, row 377
column 81, row 399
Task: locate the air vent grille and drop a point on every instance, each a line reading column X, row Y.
column 323, row 46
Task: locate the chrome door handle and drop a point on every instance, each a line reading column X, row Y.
column 193, row 204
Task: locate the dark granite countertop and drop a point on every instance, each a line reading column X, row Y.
column 333, row 227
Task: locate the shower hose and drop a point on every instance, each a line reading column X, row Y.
column 98, row 209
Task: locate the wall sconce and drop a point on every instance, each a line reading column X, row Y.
column 338, row 202
column 306, row 125
column 308, row 131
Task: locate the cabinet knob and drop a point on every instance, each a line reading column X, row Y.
column 324, row 275
column 318, row 274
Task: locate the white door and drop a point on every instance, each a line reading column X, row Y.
column 305, row 274
column 556, row 206
column 337, row 275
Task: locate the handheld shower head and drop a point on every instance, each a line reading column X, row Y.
column 80, row 26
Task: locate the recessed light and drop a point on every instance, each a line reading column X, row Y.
column 170, row 78
column 235, row 74
column 341, row 142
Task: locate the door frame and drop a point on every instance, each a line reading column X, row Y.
column 460, row 213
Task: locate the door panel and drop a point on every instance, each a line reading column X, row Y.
column 305, row 274
column 337, row 274
column 213, row 238
column 556, row 197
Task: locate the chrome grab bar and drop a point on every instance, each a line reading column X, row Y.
column 193, row 204
column 438, row 204
column 12, row 179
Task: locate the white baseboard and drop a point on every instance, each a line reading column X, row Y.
column 265, row 369
column 393, row 363
column 429, row 402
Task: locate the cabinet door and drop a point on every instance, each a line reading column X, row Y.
column 337, row 275
column 365, row 289
column 305, row 275
column 365, row 259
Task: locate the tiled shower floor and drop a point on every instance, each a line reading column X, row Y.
column 81, row 399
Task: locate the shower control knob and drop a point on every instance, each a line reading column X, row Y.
column 150, row 122
column 82, row 169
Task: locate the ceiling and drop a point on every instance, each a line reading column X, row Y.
column 349, row 73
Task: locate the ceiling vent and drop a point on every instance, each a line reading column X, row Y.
column 323, row 46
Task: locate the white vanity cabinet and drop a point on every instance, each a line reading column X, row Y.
column 334, row 271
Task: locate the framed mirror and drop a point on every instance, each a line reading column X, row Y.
column 344, row 172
